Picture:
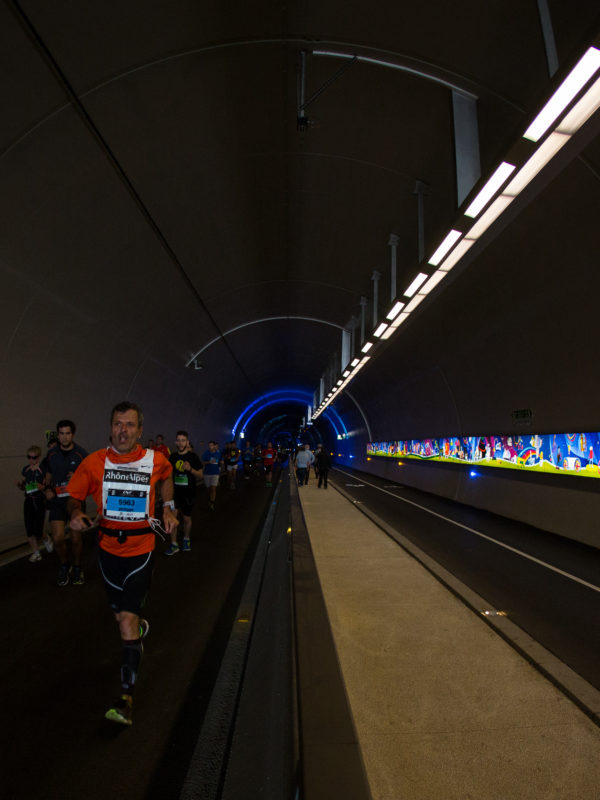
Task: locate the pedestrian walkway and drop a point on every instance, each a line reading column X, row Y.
column 444, row 708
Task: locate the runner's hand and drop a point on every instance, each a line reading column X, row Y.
column 79, row 521
column 170, row 520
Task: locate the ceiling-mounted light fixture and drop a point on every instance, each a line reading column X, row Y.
column 499, row 205
column 418, row 281
column 432, row 282
column 483, row 197
column 581, row 111
column 455, row 256
column 396, row 324
column 587, row 65
column 418, row 298
column 457, row 243
column 449, row 241
column 545, row 152
column 395, row 310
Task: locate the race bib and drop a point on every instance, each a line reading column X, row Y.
column 126, row 489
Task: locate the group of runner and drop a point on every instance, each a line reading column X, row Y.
column 44, row 483
column 129, row 483
column 320, row 460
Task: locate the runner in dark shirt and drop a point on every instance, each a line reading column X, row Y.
column 32, row 482
column 187, row 468
column 61, row 462
column 231, row 457
column 212, row 459
column 248, row 459
column 323, row 462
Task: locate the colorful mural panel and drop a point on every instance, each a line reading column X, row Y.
column 553, row 453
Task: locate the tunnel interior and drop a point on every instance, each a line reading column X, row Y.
column 210, row 214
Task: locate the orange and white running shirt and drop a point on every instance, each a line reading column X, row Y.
column 124, row 489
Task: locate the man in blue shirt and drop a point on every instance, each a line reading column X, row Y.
column 213, row 460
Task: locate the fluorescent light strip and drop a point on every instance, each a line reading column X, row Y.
column 578, row 116
column 400, row 319
column 456, row 255
column 499, row 205
column 587, row 65
column 545, row 152
column 340, row 386
column 433, row 281
column 366, row 347
column 360, row 366
column 395, row 310
column 581, row 111
column 418, row 281
column 418, row 298
column 449, row 241
column 489, row 190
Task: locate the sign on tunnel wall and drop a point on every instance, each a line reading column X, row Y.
column 552, row 453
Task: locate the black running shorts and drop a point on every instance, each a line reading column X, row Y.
column 34, row 511
column 127, row 580
column 184, row 501
column 58, row 509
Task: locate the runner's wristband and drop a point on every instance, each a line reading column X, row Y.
column 169, row 504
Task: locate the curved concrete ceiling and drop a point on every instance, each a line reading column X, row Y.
column 158, row 196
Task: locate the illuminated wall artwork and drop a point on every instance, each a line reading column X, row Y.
column 552, row 453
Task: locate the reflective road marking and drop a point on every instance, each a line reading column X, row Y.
column 482, row 535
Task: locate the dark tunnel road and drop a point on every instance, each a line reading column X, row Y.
column 61, row 651
column 546, row 584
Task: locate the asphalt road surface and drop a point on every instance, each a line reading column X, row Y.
column 546, row 584
column 60, row 662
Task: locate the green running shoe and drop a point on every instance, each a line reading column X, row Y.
column 121, row 710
